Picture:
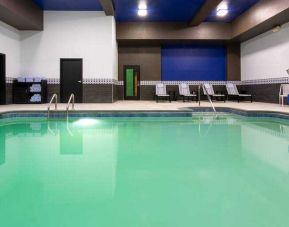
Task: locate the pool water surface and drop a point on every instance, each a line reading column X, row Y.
column 203, row 171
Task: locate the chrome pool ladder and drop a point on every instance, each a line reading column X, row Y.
column 70, row 101
column 209, row 98
column 54, row 97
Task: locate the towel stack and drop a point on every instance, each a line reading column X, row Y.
column 35, row 98
column 35, row 88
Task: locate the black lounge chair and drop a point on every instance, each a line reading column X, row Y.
column 234, row 93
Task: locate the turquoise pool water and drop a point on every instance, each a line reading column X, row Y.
column 145, row 172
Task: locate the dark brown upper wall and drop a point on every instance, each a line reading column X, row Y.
column 149, row 59
column 21, row 14
column 151, row 31
column 262, row 17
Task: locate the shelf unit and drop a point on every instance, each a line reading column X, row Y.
column 22, row 93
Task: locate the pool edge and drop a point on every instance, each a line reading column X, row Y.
column 183, row 112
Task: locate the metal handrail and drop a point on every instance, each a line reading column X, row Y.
column 54, row 97
column 70, row 101
column 209, row 98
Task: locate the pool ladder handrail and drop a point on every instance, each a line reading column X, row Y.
column 54, row 97
column 209, row 98
column 70, row 101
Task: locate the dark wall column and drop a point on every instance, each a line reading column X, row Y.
column 233, row 62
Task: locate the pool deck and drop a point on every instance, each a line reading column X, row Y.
column 150, row 106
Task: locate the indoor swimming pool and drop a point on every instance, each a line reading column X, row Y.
column 168, row 171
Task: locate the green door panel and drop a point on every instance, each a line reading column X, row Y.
column 129, row 82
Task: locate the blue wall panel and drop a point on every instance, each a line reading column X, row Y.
column 193, row 63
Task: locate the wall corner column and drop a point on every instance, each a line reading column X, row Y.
column 234, row 61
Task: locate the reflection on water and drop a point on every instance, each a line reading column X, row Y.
column 43, row 169
column 268, row 141
column 71, row 141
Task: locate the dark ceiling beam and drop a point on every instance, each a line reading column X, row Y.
column 108, row 7
column 262, row 17
column 204, row 12
column 156, row 32
column 23, row 15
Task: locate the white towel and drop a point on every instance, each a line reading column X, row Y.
column 35, row 98
column 35, row 88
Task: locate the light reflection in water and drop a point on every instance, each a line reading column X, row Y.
column 268, row 143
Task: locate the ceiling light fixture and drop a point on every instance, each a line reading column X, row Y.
column 142, row 9
column 142, row 12
column 142, row 5
column 222, row 9
column 222, row 12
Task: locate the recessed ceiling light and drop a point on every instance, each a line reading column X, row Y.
column 222, row 12
column 142, row 5
column 142, row 9
column 142, row 12
column 222, row 9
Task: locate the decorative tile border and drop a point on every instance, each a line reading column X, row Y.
column 9, row 80
column 53, row 81
column 98, row 81
column 188, row 82
column 87, row 81
column 119, row 82
column 280, row 80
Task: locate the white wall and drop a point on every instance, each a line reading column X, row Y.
column 87, row 35
column 10, row 46
column 266, row 56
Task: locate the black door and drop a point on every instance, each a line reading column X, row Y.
column 2, row 79
column 131, row 74
column 71, row 79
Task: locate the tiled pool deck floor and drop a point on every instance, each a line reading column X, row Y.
column 150, row 106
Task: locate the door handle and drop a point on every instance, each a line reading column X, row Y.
column 79, row 81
